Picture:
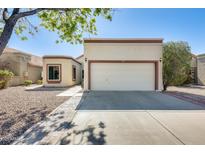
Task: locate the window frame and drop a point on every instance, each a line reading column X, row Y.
column 60, row 73
column 74, row 77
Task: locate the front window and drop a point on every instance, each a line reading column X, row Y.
column 53, row 72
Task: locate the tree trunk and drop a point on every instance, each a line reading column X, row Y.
column 6, row 34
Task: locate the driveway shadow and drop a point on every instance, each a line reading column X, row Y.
column 89, row 135
column 191, row 87
column 72, row 133
column 47, row 89
column 38, row 132
column 193, row 98
column 60, row 126
column 133, row 100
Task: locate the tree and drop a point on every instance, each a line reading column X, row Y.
column 69, row 23
column 176, row 63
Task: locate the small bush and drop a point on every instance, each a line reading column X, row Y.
column 39, row 82
column 27, row 82
column 5, row 77
column 2, row 84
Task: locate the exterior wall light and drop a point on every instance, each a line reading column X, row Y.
column 160, row 59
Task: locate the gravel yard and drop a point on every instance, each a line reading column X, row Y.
column 21, row 108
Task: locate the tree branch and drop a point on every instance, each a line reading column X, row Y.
column 5, row 11
column 32, row 12
column 15, row 11
column 28, row 13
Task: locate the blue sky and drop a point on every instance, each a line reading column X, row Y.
column 170, row 24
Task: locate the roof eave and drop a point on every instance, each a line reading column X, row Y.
column 124, row 40
column 60, row 57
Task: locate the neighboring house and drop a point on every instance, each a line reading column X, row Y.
column 123, row 64
column 24, row 66
column 194, row 69
column 61, row 71
column 201, row 69
column 198, row 69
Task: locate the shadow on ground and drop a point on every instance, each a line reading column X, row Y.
column 48, row 89
column 191, row 87
column 89, row 135
column 98, row 100
column 26, row 119
column 69, row 133
column 134, row 100
column 193, row 98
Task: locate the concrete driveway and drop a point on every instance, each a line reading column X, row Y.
column 121, row 118
column 136, row 100
column 136, row 118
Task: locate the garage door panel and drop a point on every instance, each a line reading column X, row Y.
column 122, row 76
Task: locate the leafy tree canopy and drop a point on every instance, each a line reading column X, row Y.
column 69, row 23
column 176, row 63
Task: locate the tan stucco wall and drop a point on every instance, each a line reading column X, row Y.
column 16, row 80
column 78, row 72
column 66, row 72
column 18, row 64
column 81, row 60
column 11, row 61
column 122, row 51
column 34, row 73
column 201, row 70
column 194, row 69
column 194, row 62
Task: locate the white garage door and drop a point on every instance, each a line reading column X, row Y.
column 122, row 76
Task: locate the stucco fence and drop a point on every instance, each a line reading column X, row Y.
column 16, row 80
column 33, row 74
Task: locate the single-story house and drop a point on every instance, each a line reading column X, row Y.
column 198, row 69
column 201, row 69
column 25, row 66
column 123, row 64
column 61, row 71
column 109, row 64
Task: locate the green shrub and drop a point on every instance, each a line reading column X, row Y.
column 2, row 84
column 5, row 77
column 39, row 82
column 176, row 63
column 27, row 82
